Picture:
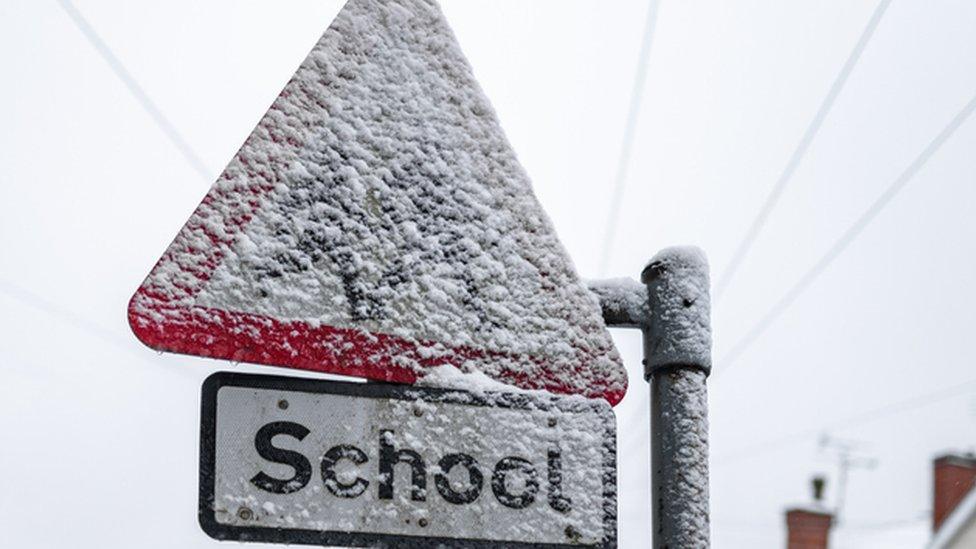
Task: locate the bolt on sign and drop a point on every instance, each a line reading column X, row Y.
column 291, row 460
column 377, row 223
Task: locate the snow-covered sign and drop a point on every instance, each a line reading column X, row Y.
column 377, row 223
column 290, row 460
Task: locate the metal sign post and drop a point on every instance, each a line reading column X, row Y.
column 671, row 308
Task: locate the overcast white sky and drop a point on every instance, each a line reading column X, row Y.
column 100, row 434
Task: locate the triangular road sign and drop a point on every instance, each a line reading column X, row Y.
column 377, row 223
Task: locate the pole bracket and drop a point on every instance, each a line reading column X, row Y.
column 670, row 305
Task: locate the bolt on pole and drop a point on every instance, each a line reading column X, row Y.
column 671, row 307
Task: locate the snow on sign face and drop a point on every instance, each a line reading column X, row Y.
column 377, row 223
column 327, row 463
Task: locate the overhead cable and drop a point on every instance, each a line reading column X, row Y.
column 136, row 90
column 887, row 410
column 800, row 151
column 630, row 128
column 845, row 240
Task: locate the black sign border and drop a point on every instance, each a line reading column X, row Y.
column 224, row 532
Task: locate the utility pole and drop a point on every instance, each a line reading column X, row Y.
column 671, row 307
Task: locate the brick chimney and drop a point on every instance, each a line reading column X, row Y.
column 954, row 475
column 809, row 527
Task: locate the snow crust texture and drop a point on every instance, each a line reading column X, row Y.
column 680, row 333
column 379, row 196
column 509, row 467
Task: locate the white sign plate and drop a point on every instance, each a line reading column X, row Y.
column 291, row 460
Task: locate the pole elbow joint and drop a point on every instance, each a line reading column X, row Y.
column 679, row 332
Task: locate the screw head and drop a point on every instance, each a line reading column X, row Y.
column 422, row 522
column 418, row 412
column 552, row 422
column 245, row 513
column 283, row 404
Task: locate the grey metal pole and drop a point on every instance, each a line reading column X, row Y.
column 677, row 361
column 679, row 459
column 672, row 309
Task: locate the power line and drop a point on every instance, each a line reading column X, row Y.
column 906, row 405
column 36, row 302
column 847, row 237
column 636, row 95
column 801, row 148
column 136, row 90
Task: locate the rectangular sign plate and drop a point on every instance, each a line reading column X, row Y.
column 289, row 460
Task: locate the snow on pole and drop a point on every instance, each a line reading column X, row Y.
column 679, row 458
column 677, row 360
column 680, row 335
column 623, row 302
